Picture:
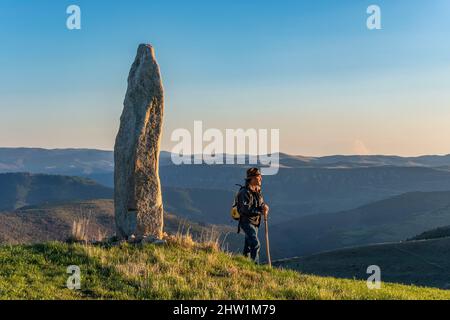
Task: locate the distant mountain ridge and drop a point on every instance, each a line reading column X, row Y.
column 56, row 161
column 383, row 160
column 92, row 161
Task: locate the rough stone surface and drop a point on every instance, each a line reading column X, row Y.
column 137, row 193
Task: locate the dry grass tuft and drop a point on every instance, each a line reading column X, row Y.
column 208, row 240
column 80, row 230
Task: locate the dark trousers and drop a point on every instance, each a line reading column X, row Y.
column 251, row 246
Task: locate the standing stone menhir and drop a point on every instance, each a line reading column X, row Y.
column 137, row 189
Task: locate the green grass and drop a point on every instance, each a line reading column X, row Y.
column 171, row 271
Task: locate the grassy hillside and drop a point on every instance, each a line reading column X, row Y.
column 178, row 270
column 389, row 220
column 424, row 263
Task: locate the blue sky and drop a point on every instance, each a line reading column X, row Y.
column 309, row 68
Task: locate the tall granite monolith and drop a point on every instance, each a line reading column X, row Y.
column 137, row 189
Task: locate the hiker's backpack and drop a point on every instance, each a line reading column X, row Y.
column 234, row 210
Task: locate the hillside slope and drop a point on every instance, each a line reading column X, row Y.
column 170, row 272
column 389, row 220
column 441, row 232
column 21, row 189
column 49, row 222
column 199, row 205
column 423, row 263
column 295, row 192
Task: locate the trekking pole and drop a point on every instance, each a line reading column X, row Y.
column 266, row 225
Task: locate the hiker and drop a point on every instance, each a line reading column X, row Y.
column 250, row 205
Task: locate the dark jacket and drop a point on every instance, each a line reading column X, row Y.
column 249, row 206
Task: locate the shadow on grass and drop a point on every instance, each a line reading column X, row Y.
column 97, row 281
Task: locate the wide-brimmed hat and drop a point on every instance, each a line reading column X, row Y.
column 253, row 172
